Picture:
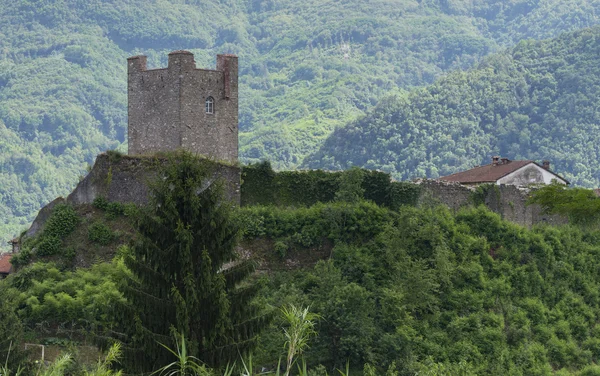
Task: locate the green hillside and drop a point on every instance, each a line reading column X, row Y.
column 306, row 67
column 536, row 101
column 422, row 290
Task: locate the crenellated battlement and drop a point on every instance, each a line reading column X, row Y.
column 182, row 106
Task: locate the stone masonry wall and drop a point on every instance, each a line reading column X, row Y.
column 125, row 179
column 507, row 200
column 166, row 107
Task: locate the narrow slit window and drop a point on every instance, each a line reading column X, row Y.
column 210, row 105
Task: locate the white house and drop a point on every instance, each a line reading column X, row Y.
column 505, row 171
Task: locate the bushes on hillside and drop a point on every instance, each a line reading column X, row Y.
column 464, row 293
column 306, row 227
column 62, row 221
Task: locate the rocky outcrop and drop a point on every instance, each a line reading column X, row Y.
column 125, row 179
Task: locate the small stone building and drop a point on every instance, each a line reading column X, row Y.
column 184, row 107
column 505, row 171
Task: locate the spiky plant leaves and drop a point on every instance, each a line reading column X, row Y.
column 301, row 324
column 103, row 368
column 56, row 368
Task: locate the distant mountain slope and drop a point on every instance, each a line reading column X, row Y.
column 536, row 101
column 306, row 67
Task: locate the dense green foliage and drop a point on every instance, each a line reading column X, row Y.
column 263, row 186
column 51, row 300
column 61, row 222
column 308, row 227
column 11, row 330
column 179, row 281
column 306, row 67
column 419, row 290
column 580, row 205
column 535, row 101
column 439, row 291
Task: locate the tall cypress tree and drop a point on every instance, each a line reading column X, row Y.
column 185, row 277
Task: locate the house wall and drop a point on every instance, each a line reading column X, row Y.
column 530, row 174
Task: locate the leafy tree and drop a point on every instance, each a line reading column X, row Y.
column 351, row 189
column 180, row 280
column 580, row 205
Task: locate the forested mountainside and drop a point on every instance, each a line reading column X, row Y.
column 536, row 101
column 306, row 67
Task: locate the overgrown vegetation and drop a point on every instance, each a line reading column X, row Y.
column 437, row 291
column 580, row 205
column 60, row 224
column 70, row 231
column 263, row 186
column 406, row 292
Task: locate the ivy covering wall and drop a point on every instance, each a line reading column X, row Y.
column 261, row 185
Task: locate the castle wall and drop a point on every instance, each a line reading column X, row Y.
column 125, row 179
column 216, row 134
column 454, row 195
column 153, row 109
column 509, row 201
column 167, row 107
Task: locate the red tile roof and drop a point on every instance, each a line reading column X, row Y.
column 5, row 265
column 488, row 173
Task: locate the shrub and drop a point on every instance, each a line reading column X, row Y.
column 69, row 253
column 22, row 258
column 112, row 209
column 62, row 221
column 99, row 233
column 100, row 203
column 591, row 370
column 281, row 248
column 48, row 245
column 130, row 209
column 114, row 155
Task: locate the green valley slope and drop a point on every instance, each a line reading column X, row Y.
column 306, row 67
column 536, row 101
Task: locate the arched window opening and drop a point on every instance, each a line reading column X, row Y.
column 210, row 105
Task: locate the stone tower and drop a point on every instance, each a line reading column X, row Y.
column 184, row 107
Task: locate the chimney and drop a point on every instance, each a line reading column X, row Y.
column 15, row 245
column 505, row 160
column 495, row 160
column 228, row 64
column 546, row 165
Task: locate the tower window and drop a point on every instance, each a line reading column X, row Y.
column 210, row 105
